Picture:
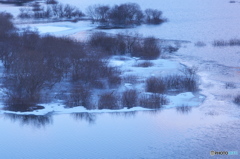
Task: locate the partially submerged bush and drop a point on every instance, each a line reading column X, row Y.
column 129, row 98
column 130, row 79
column 53, row 10
column 144, row 64
column 152, row 101
column 79, row 96
column 114, row 81
column 186, row 82
column 108, row 101
column 230, row 85
column 190, row 79
column 200, row 44
column 146, row 48
column 231, row 42
column 220, row 43
column 123, row 15
column 234, row 42
column 155, row 85
column 108, row 44
column 153, row 16
column 6, row 25
column 170, row 49
column 237, row 100
column 174, row 82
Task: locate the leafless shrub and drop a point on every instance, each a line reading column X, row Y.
column 148, row 49
column 25, row 13
column 155, row 85
column 153, row 16
column 108, row 101
column 85, row 70
column 99, row 84
column 178, row 83
column 130, row 79
column 152, row 101
column 98, row 13
column 190, row 80
column 234, row 42
column 170, row 49
column 125, row 14
column 217, row 43
column 108, row 44
column 51, row 2
column 230, row 85
column 200, row 44
column 231, row 42
column 145, row 48
column 79, row 96
column 114, row 81
column 6, row 25
column 144, row 64
column 237, row 100
column 21, row 103
column 129, row 98
column 55, row 10
column 174, row 82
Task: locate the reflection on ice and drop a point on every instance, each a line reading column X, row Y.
column 37, row 121
column 125, row 114
column 184, row 109
column 89, row 117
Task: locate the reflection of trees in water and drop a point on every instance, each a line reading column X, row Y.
column 184, row 109
column 125, row 114
column 89, row 117
column 154, row 112
column 37, row 121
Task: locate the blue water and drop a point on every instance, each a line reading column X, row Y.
column 148, row 134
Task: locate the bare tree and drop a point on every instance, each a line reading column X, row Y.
column 126, row 14
column 98, row 13
column 108, row 101
column 129, row 98
column 6, row 25
column 153, row 16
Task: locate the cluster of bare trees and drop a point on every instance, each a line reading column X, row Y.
column 188, row 81
column 6, row 26
column 34, row 63
column 123, row 15
column 16, row 2
column 52, row 10
column 131, row 98
column 126, row 43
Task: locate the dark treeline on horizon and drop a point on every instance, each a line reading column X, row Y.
column 123, row 15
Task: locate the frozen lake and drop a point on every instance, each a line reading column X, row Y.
column 164, row 134
column 169, row 133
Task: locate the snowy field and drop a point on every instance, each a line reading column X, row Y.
column 137, row 132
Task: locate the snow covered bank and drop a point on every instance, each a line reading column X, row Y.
column 182, row 99
column 160, row 67
column 61, row 28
